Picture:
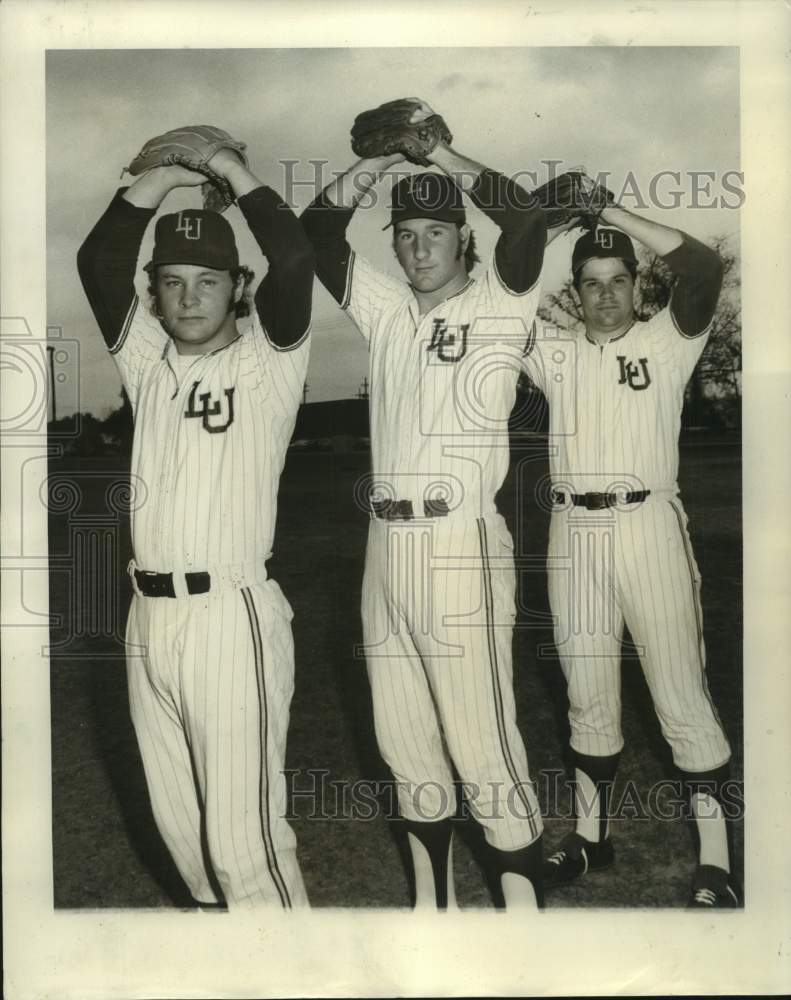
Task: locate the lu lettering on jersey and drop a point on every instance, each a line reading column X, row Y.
column 210, row 445
column 442, row 385
column 615, row 409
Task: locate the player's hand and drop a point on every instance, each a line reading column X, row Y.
column 588, row 186
column 422, row 112
column 176, row 176
column 225, row 161
column 376, row 165
column 388, row 161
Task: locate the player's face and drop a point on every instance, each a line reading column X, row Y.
column 432, row 254
column 196, row 306
column 606, row 291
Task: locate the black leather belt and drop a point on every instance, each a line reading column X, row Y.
column 161, row 584
column 402, row 510
column 601, row 501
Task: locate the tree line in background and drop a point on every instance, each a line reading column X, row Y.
column 713, row 396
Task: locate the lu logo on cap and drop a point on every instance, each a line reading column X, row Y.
column 604, row 239
column 602, row 243
column 426, row 196
column 194, row 236
column 189, row 225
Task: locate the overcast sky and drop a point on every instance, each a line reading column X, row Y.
column 626, row 110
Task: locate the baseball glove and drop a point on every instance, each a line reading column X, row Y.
column 573, row 196
column 192, row 146
column 387, row 129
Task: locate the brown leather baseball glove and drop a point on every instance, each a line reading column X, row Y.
column 192, row 146
column 573, row 196
column 387, row 129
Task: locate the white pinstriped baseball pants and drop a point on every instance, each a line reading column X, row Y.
column 438, row 612
column 210, row 685
column 632, row 565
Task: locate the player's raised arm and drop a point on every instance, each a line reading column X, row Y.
column 215, row 403
column 107, row 260
column 519, row 253
column 698, row 268
column 328, row 216
column 283, row 298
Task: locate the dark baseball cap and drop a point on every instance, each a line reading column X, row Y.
column 194, row 236
column 426, row 196
column 602, row 243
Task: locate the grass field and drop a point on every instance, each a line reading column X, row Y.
column 107, row 852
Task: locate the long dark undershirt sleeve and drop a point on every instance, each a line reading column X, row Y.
column 107, row 262
column 326, row 225
column 284, row 298
column 698, row 270
column 519, row 253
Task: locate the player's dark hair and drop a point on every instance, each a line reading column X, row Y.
column 471, row 258
column 630, row 266
column 243, row 306
column 241, row 309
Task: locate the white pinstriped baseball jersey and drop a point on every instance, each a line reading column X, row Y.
column 211, row 676
column 210, row 661
column 615, row 416
column 615, row 409
column 438, row 595
column 210, row 446
column 442, row 384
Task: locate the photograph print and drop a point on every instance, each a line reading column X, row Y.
column 394, row 479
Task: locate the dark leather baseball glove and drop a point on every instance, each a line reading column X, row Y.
column 192, row 146
column 573, row 196
column 387, row 129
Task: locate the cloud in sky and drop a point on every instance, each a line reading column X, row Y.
column 617, row 109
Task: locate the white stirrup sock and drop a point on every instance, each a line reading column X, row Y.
column 710, row 823
column 427, row 893
column 588, row 808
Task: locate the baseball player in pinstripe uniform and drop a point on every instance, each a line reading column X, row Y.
column 210, row 653
column 619, row 551
column 438, row 591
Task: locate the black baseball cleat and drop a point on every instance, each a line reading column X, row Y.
column 713, row 888
column 575, row 857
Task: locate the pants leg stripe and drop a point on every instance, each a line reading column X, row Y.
column 263, row 793
column 495, row 675
column 698, row 611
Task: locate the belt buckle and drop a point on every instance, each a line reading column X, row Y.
column 402, row 510
column 436, row 507
column 393, row 510
column 153, row 584
column 383, row 509
column 598, row 501
column 143, row 578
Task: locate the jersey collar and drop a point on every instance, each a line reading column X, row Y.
column 414, row 307
column 217, row 350
column 612, row 340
